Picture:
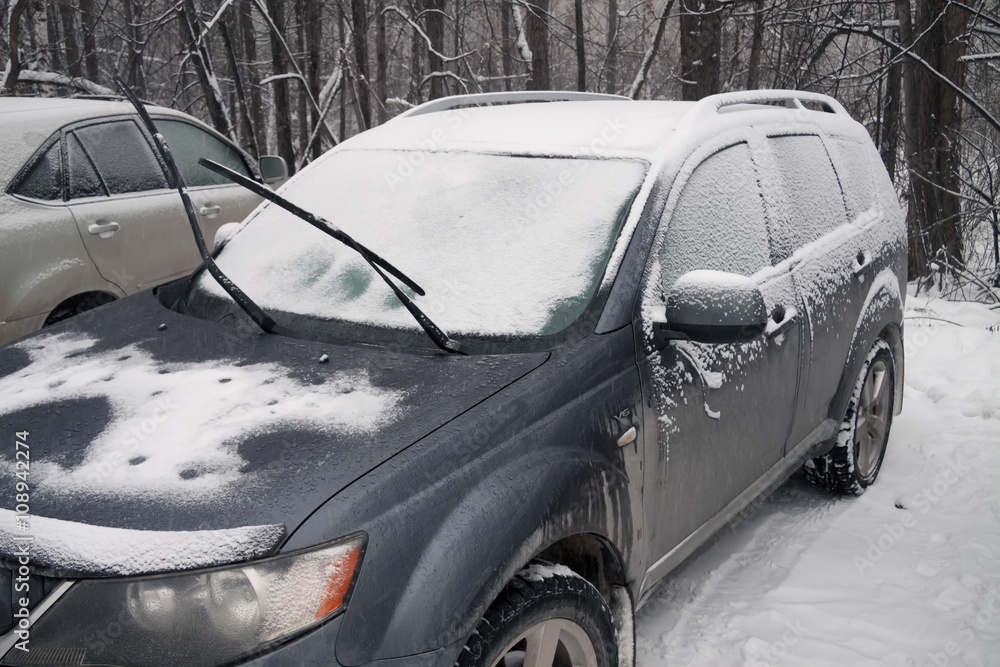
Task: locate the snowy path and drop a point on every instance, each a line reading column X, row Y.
column 907, row 574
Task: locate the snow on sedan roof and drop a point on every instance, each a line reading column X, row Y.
column 634, row 129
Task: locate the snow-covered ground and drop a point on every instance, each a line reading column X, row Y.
column 906, row 574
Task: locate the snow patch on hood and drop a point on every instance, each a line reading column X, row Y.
column 175, row 427
column 101, row 551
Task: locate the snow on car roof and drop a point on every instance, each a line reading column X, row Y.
column 633, row 129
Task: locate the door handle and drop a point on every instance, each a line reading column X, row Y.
column 210, row 211
column 104, row 229
column 782, row 319
column 862, row 265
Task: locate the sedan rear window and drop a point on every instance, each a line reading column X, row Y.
column 44, row 180
column 502, row 245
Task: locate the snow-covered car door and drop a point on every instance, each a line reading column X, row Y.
column 216, row 199
column 132, row 224
column 813, row 235
column 724, row 410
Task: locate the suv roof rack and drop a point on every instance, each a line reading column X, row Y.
column 791, row 99
column 515, row 97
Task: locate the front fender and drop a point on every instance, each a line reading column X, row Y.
column 451, row 518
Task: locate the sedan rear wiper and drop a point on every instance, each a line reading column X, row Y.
column 440, row 338
column 255, row 312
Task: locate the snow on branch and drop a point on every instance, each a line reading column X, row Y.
column 86, row 85
column 522, row 41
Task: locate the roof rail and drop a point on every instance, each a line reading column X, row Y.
column 515, row 97
column 792, row 99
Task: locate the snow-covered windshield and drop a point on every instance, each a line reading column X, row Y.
column 502, row 245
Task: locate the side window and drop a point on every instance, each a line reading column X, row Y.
column 83, row 178
column 44, row 180
column 816, row 204
column 188, row 143
column 719, row 222
column 122, row 156
column 855, row 174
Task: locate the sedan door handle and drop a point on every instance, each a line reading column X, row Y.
column 210, row 211
column 782, row 320
column 104, row 229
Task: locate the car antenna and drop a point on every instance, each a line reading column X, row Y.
column 256, row 313
column 436, row 334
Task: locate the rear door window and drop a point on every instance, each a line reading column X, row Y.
column 123, row 157
column 44, row 179
column 812, row 191
column 188, row 143
column 719, row 221
column 83, row 178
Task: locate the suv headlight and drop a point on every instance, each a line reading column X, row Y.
column 199, row 617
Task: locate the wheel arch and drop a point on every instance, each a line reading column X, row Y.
column 79, row 303
column 881, row 317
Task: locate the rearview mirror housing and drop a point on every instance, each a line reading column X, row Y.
column 272, row 168
column 714, row 307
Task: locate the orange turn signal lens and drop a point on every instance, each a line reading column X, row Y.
column 339, row 576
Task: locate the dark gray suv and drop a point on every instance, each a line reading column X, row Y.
column 593, row 332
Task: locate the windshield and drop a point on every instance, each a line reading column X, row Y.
column 502, row 245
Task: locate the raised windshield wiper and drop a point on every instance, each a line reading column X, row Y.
column 440, row 338
column 319, row 223
column 256, row 313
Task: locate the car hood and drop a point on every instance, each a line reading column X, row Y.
column 140, row 418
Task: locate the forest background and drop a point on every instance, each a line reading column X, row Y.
column 297, row 77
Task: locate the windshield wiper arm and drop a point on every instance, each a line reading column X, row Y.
column 255, row 312
column 440, row 338
column 316, row 221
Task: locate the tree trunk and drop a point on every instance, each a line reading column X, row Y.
column 890, row 130
column 538, row 40
column 202, row 63
column 68, row 16
column 756, row 44
column 581, row 54
column 381, row 63
column 282, row 108
column 434, row 22
column 507, row 62
column 359, row 21
column 611, row 81
column 314, row 47
column 88, row 15
column 701, row 43
column 136, row 79
column 255, row 103
column 247, row 135
column 933, row 112
column 13, row 40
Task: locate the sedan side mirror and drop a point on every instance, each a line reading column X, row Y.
column 272, row 168
column 712, row 307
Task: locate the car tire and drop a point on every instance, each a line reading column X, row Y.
column 543, row 599
column 76, row 305
column 856, row 458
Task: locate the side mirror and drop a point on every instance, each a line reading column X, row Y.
column 712, row 307
column 224, row 233
column 272, row 168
